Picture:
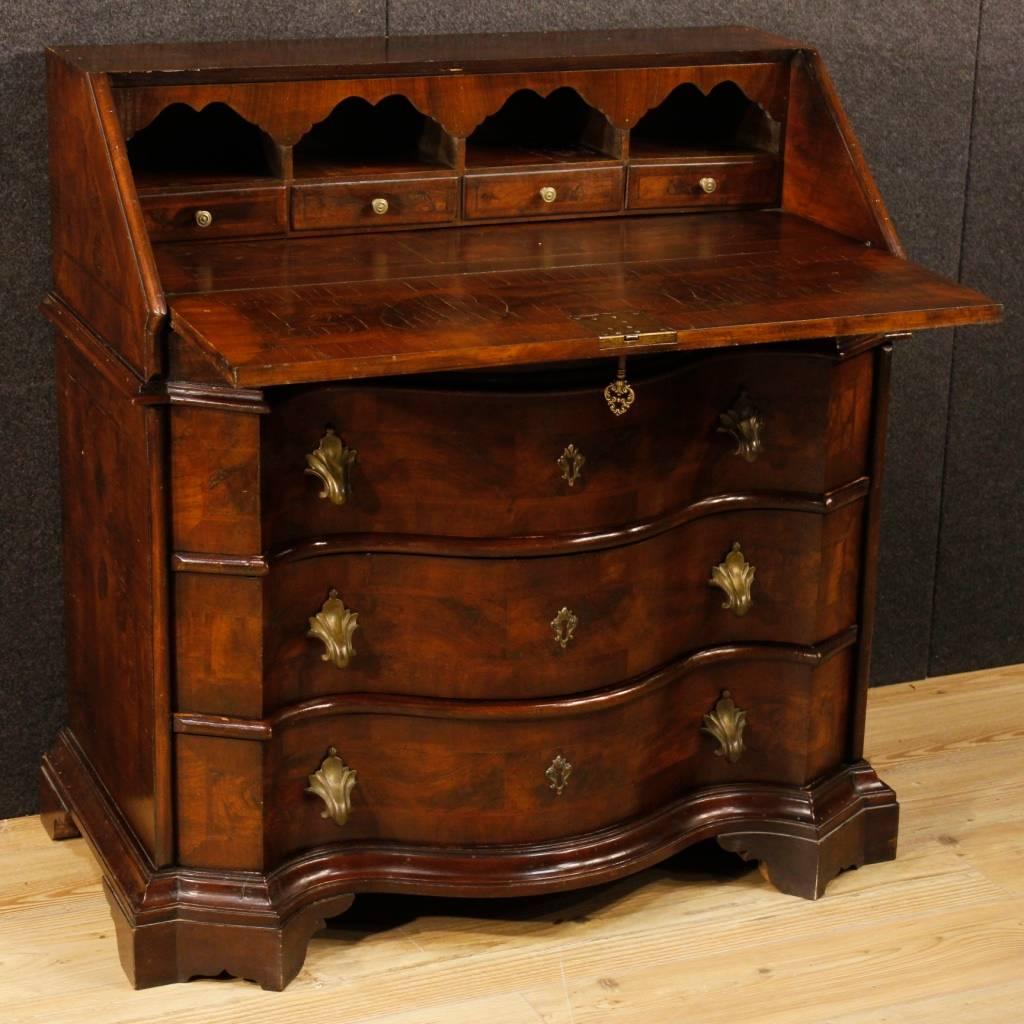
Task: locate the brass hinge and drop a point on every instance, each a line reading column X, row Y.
column 619, row 330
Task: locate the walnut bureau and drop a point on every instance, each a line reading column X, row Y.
column 471, row 452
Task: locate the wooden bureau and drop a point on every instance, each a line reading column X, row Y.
column 472, row 453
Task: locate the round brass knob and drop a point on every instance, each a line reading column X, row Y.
column 203, row 218
column 380, row 206
column 709, row 185
column 548, row 194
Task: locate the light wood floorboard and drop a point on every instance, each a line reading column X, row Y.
column 936, row 936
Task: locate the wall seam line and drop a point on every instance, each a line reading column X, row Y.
column 943, row 476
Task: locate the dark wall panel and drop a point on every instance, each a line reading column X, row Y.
column 979, row 600
column 32, row 704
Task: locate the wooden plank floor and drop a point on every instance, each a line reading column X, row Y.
column 934, row 937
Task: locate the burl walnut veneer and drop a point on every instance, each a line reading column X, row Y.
column 471, row 452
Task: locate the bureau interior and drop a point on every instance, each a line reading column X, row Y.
column 533, row 129
column 676, row 138
column 359, row 139
column 187, row 148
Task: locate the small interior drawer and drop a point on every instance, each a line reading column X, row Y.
column 725, row 181
column 539, row 193
column 257, row 211
column 374, row 203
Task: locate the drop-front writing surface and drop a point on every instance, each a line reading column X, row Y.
column 497, row 427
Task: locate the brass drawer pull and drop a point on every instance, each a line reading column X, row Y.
column 379, row 206
column 333, row 626
column 571, row 462
column 744, row 423
column 726, row 724
column 330, row 462
column 548, row 194
column 203, row 218
column 734, row 577
column 558, row 773
column 563, row 625
column 708, row 185
column 333, row 782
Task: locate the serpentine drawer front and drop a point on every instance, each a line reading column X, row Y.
column 471, row 454
column 464, row 460
column 480, row 773
column 490, row 626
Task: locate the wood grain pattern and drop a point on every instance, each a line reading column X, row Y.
column 260, row 211
column 288, row 335
column 114, row 575
column 219, row 802
column 218, row 643
column 826, row 178
column 464, row 628
column 594, row 190
column 739, row 181
column 102, row 258
column 232, row 265
column 454, row 783
column 503, row 479
column 410, row 201
column 215, row 503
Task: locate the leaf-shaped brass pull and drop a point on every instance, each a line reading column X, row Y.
column 735, row 577
column 333, row 782
column 726, row 723
column 334, row 625
column 745, row 424
column 563, row 625
column 571, row 462
column 330, row 464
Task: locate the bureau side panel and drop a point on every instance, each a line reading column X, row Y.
column 103, row 264
column 115, row 586
column 826, row 178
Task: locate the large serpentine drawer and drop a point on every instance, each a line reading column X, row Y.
column 484, row 773
column 486, row 628
column 457, row 458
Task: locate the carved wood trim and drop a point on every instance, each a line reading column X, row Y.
column 458, row 103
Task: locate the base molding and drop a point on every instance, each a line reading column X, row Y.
column 800, row 862
column 184, row 947
column 174, row 923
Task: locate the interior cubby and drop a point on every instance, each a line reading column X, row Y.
column 359, row 137
column 688, row 122
column 183, row 147
column 530, row 128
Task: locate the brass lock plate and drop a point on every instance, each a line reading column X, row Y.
column 628, row 330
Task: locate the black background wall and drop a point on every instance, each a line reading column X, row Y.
column 935, row 90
